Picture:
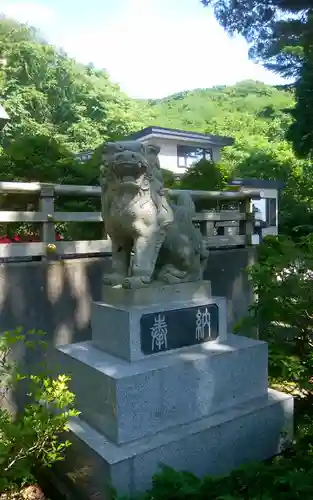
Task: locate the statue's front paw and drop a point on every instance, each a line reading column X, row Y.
column 135, row 282
column 170, row 279
column 113, row 279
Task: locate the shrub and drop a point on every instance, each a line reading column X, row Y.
column 283, row 312
column 205, row 175
column 31, row 439
column 288, row 476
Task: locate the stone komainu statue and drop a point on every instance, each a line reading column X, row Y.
column 152, row 238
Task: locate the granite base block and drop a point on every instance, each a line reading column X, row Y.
column 215, row 445
column 116, row 328
column 127, row 401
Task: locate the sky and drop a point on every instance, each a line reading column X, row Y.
column 151, row 48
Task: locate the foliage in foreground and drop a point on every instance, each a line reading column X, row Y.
column 286, row 477
column 31, row 439
column 283, row 283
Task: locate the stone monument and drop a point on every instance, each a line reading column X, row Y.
column 152, row 239
column 162, row 381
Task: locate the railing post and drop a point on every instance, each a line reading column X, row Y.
column 46, row 206
column 209, row 228
column 246, row 208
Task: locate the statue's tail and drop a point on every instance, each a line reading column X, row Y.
column 185, row 208
column 185, row 212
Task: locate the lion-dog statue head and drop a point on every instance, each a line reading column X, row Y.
column 130, row 165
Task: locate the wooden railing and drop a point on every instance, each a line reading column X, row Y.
column 222, row 228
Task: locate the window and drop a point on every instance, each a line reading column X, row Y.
column 265, row 212
column 189, row 155
column 84, row 156
column 271, row 207
column 259, row 209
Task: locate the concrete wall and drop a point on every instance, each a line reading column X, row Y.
column 56, row 296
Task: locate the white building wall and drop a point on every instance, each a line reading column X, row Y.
column 168, row 152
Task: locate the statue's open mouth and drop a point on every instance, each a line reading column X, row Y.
column 130, row 173
column 129, row 180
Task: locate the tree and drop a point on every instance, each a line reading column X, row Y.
column 204, row 175
column 275, row 29
column 42, row 158
column 300, row 132
column 47, row 93
column 277, row 162
column 281, row 33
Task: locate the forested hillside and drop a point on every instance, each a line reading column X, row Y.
column 252, row 112
column 203, row 108
column 257, row 116
column 59, row 107
column 46, row 92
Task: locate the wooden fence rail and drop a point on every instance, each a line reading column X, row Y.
column 224, row 228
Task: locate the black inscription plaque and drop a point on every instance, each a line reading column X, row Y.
column 165, row 330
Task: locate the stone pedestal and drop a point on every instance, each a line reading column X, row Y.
column 126, row 324
column 163, row 382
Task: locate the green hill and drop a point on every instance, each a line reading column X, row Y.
column 255, row 115
column 46, row 92
column 209, row 110
column 252, row 112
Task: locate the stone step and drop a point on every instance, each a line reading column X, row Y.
column 255, row 430
column 127, row 401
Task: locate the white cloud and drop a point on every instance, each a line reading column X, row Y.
column 153, row 53
column 150, row 47
column 36, row 14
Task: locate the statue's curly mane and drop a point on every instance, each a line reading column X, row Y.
column 152, row 181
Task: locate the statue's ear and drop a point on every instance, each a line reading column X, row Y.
column 110, row 148
column 151, row 148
